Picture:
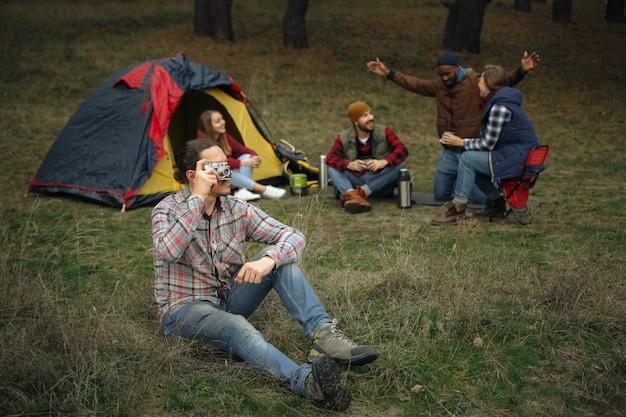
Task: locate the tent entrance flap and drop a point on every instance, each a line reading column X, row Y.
column 250, row 135
column 162, row 178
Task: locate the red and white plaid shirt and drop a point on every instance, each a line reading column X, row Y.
column 195, row 256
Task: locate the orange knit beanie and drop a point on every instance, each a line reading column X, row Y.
column 356, row 110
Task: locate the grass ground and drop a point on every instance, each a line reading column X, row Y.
column 490, row 319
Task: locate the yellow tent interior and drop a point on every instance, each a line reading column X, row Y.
column 183, row 127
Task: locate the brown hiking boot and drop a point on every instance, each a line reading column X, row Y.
column 492, row 208
column 355, row 202
column 454, row 213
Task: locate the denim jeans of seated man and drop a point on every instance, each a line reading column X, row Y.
column 381, row 183
column 227, row 327
column 446, row 176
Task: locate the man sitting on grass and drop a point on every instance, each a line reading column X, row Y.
column 205, row 289
column 365, row 160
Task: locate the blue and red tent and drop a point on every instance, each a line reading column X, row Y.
column 120, row 146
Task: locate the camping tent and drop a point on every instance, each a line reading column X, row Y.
column 120, row 146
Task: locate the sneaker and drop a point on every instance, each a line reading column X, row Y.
column 454, row 214
column 244, row 194
column 330, row 340
column 273, row 192
column 323, row 385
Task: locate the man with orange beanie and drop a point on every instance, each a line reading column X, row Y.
column 365, row 160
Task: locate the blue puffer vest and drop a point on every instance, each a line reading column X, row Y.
column 517, row 137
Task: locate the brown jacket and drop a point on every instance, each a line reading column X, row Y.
column 458, row 108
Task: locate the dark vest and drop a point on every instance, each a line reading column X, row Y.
column 517, row 137
column 380, row 146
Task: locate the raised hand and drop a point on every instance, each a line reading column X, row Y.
column 529, row 62
column 377, row 67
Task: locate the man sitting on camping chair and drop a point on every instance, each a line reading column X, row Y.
column 365, row 160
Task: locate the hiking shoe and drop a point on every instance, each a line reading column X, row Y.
column 354, row 202
column 244, row 194
column 323, row 385
column 454, row 214
column 492, row 208
column 330, row 340
column 273, row 192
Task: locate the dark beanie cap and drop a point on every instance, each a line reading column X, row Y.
column 448, row 58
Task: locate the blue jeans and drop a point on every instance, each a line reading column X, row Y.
column 380, row 184
column 474, row 172
column 226, row 326
column 242, row 177
column 446, row 178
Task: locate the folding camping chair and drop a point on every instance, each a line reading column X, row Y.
column 515, row 191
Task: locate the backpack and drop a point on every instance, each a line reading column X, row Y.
column 295, row 161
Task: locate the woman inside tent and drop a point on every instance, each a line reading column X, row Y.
column 241, row 159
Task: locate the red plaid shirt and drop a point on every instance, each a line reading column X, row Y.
column 195, row 256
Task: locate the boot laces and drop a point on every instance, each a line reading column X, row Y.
column 339, row 334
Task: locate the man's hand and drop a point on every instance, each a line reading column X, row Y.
column 358, row 165
column 529, row 62
column 204, row 180
column 254, row 271
column 375, row 165
column 377, row 67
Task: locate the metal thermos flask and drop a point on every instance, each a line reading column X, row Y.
column 404, row 189
column 323, row 176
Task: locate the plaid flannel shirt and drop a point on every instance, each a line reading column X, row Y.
column 195, row 256
column 498, row 116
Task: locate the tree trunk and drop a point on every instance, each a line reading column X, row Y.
column 615, row 11
column 202, row 18
column 522, row 5
column 294, row 25
column 213, row 18
column 562, row 11
column 464, row 24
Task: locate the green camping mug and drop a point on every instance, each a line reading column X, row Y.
column 298, row 184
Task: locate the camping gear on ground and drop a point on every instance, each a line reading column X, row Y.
column 515, row 191
column 405, row 189
column 295, row 161
column 298, row 184
column 120, row 146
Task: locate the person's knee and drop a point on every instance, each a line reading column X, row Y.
column 288, row 270
column 443, row 187
column 442, row 195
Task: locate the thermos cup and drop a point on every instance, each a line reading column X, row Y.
column 404, row 189
column 323, row 176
